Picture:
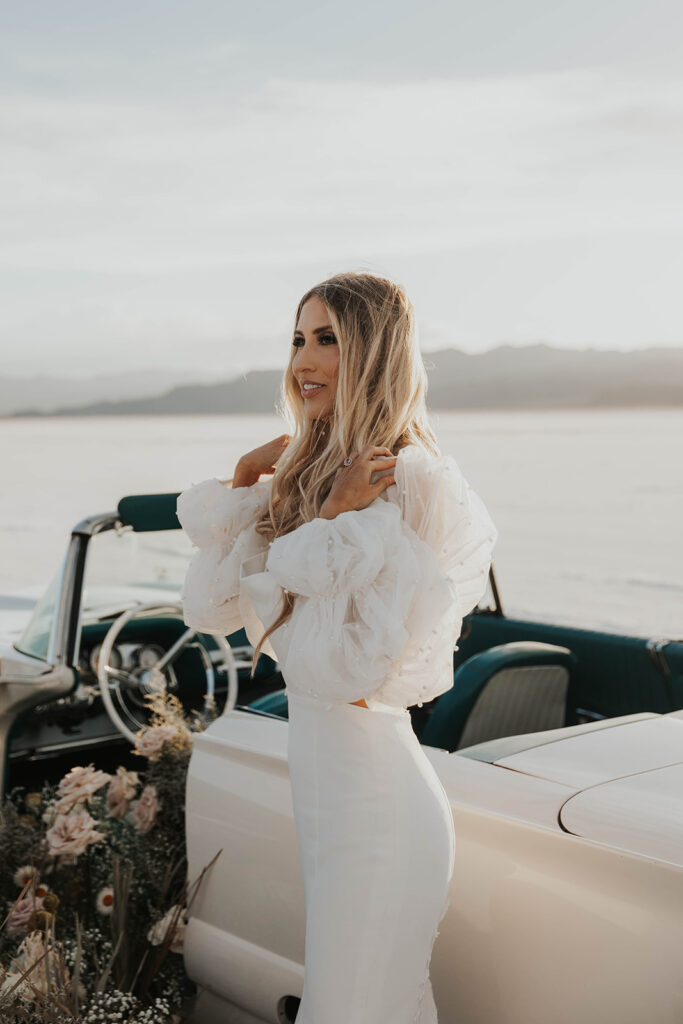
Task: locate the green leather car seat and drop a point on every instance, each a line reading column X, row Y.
column 274, row 703
column 510, row 689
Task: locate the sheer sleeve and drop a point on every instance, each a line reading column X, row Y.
column 383, row 589
column 444, row 511
column 452, row 521
column 220, row 522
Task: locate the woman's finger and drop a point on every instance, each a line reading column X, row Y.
column 382, row 461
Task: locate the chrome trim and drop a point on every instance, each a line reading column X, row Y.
column 243, row 655
column 655, row 648
column 65, row 635
column 57, row 618
column 73, row 745
column 98, row 523
column 496, row 593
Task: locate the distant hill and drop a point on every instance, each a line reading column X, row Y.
column 43, row 391
column 508, row 377
column 540, row 376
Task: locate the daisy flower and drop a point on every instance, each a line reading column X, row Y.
column 105, row 900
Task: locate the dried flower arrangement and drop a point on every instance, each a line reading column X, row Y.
column 95, row 888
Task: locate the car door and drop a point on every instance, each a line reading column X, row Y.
column 246, row 928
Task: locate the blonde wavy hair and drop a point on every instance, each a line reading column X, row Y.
column 380, row 400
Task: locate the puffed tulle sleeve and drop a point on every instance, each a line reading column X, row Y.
column 383, row 589
column 444, row 511
column 219, row 520
column 451, row 519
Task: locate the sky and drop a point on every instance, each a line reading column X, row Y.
column 174, row 176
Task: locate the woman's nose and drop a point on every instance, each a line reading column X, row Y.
column 303, row 360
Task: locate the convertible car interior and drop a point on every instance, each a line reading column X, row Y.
column 511, row 676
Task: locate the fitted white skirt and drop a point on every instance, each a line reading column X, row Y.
column 377, row 847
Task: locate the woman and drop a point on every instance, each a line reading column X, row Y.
column 353, row 566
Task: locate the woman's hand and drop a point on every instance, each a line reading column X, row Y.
column 260, row 460
column 351, row 487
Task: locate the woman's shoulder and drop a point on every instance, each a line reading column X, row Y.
column 416, row 459
column 423, row 479
column 436, row 499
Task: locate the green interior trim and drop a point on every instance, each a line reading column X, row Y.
column 149, row 512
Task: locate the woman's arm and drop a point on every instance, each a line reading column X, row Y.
column 243, row 477
column 220, row 523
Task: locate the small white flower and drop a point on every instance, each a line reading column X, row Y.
column 105, row 900
column 157, row 933
column 24, row 873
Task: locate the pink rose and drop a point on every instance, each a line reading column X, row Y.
column 120, row 792
column 78, row 786
column 145, row 810
column 18, row 920
column 151, row 741
column 71, row 834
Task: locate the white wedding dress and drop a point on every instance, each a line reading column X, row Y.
column 382, row 592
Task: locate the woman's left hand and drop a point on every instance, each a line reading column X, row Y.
column 351, row 488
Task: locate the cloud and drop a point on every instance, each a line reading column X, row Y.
column 135, row 216
column 93, row 184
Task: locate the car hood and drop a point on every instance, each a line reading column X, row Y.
column 585, row 759
column 629, row 779
column 640, row 814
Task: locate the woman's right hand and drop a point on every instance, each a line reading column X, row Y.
column 260, row 460
column 351, row 488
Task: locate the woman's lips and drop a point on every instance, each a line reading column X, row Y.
column 307, row 392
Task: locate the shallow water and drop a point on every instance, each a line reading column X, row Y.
column 588, row 504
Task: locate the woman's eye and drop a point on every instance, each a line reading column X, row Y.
column 297, row 342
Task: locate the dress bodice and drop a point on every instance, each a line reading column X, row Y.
column 380, row 592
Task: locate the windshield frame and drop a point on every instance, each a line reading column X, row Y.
column 64, row 598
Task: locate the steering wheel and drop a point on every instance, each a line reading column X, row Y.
column 134, row 683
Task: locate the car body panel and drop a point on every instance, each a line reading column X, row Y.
column 526, row 895
column 641, row 814
column 588, row 759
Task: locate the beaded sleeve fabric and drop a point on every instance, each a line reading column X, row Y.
column 219, row 521
column 382, row 590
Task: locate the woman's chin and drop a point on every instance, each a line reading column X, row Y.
column 318, row 414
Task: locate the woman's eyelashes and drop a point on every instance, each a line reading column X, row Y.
column 323, row 337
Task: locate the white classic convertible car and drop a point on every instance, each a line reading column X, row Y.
column 561, row 750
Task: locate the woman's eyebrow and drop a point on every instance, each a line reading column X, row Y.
column 317, row 330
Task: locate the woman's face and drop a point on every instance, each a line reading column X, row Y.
column 316, row 358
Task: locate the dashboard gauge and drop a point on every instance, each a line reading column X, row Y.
column 115, row 659
column 148, row 654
